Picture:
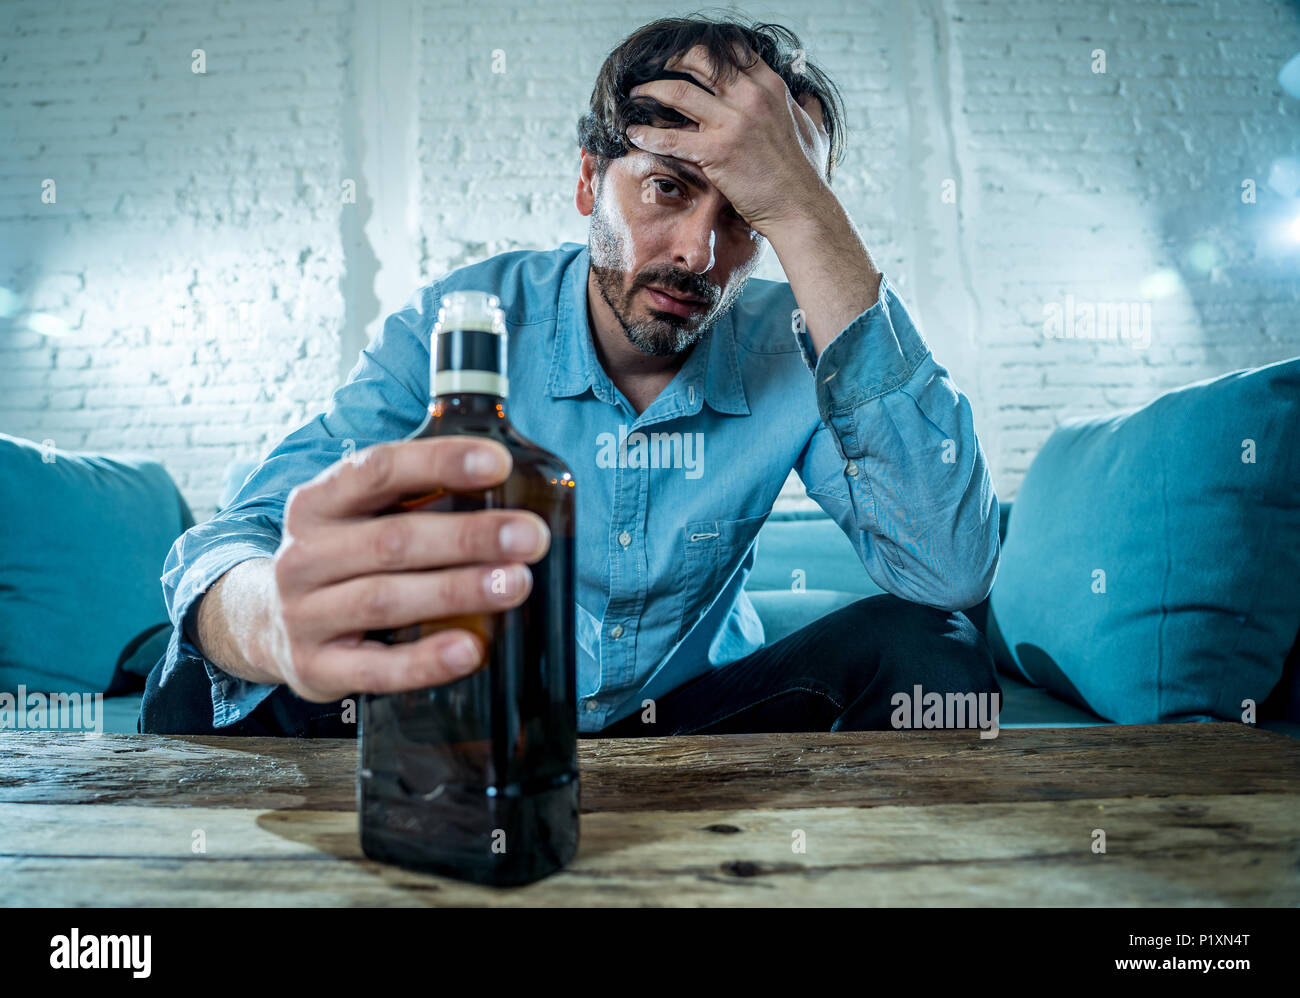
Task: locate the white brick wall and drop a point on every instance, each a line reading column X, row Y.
column 181, row 196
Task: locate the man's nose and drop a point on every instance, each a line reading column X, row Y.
column 695, row 240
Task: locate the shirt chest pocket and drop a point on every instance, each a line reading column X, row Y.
column 711, row 551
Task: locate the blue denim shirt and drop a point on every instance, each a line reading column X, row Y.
column 874, row 427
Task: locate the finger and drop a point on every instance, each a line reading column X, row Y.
column 380, row 475
column 412, row 541
column 371, row 667
column 766, row 77
column 676, row 142
column 402, row 599
column 696, row 61
column 699, row 63
column 685, row 97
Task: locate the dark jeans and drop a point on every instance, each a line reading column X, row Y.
column 839, row 673
column 183, row 706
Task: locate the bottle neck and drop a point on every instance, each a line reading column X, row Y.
column 468, row 362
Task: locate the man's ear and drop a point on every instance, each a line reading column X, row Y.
column 585, row 198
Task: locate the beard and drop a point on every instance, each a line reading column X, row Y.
column 658, row 333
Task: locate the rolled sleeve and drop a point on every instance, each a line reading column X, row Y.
column 897, row 462
column 198, row 558
column 877, row 353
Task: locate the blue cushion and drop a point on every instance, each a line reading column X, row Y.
column 809, row 547
column 83, row 545
column 785, row 612
column 233, row 480
column 1200, row 549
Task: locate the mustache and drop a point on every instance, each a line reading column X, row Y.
column 686, row 285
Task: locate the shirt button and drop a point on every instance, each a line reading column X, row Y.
column 625, row 538
column 852, row 469
column 616, row 631
column 592, row 705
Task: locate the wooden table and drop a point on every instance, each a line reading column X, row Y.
column 1193, row 814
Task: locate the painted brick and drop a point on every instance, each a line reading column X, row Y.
column 182, row 196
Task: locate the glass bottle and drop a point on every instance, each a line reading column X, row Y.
column 478, row 779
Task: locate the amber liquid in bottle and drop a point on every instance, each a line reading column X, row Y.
column 478, row 779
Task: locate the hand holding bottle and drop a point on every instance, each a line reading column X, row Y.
column 342, row 571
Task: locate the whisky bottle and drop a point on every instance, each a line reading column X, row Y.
column 478, row 779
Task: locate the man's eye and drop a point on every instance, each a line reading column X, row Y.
column 669, row 183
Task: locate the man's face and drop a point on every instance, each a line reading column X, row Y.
column 658, row 222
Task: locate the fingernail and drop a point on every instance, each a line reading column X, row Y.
column 520, row 537
column 482, row 462
column 461, row 655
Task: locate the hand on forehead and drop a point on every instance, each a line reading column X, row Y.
column 741, row 127
column 694, row 66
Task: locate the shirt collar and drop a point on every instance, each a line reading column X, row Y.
column 575, row 367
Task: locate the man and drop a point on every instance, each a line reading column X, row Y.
column 705, row 142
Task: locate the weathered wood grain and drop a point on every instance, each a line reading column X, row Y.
column 858, row 769
column 1193, row 815
column 1228, row 850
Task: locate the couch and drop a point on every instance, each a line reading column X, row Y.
column 831, row 576
column 1107, row 499
column 814, row 541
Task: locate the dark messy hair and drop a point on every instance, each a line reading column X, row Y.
column 733, row 45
